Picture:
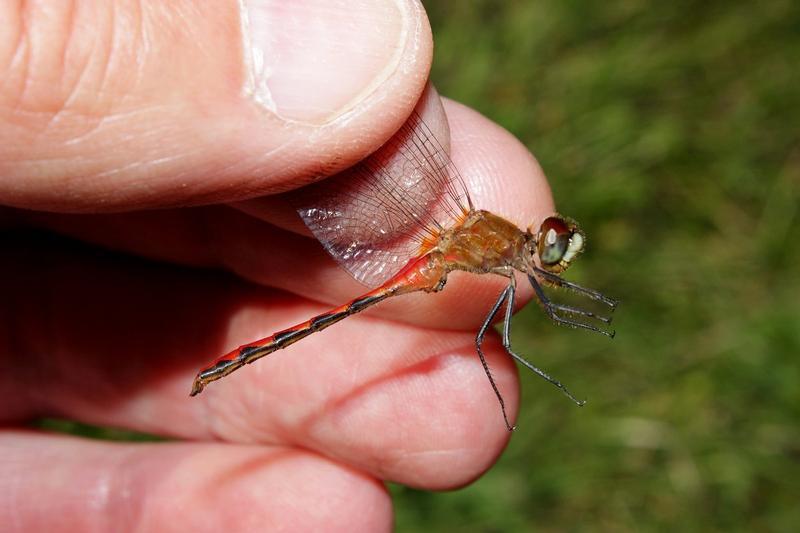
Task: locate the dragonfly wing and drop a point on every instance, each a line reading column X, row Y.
column 375, row 216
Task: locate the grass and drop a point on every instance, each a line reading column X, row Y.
column 670, row 130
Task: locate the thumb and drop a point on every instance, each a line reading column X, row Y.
column 113, row 106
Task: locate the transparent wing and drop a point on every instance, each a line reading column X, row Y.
column 378, row 214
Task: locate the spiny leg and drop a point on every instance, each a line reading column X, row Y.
column 479, row 340
column 581, row 312
column 550, row 308
column 591, row 293
column 507, row 345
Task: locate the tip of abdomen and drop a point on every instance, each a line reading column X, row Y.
column 197, row 386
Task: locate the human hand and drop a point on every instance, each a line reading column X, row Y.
column 110, row 114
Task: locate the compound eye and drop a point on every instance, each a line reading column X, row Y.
column 554, row 237
column 558, row 242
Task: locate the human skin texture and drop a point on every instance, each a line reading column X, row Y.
column 109, row 110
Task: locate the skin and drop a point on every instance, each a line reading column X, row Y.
column 304, row 438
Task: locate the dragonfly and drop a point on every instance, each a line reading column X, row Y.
column 400, row 222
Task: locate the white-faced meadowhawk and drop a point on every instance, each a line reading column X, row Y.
column 401, row 222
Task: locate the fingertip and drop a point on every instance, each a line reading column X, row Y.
column 429, row 418
column 329, row 125
column 294, row 49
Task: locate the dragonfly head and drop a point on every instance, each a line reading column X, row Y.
column 558, row 242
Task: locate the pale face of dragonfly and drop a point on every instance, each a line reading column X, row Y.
column 557, row 242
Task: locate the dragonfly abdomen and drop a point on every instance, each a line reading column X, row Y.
column 248, row 353
column 426, row 273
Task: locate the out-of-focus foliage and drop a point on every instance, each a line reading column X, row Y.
column 94, row 432
column 670, row 131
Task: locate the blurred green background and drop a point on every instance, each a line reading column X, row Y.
column 670, row 131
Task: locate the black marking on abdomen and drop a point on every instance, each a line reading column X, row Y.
column 246, row 351
column 361, row 303
column 249, row 354
column 288, row 337
column 323, row 321
column 222, row 368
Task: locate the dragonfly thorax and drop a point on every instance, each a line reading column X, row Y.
column 484, row 242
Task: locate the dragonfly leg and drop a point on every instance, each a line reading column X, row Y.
column 553, row 279
column 507, row 345
column 552, row 310
column 581, row 312
column 479, row 341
